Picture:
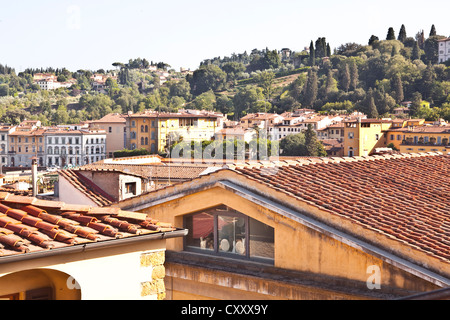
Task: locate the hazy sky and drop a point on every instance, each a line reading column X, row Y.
column 81, row 34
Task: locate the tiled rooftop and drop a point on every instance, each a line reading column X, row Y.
column 157, row 171
column 29, row 224
column 90, row 189
column 404, row 197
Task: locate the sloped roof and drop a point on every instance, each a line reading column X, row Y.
column 399, row 204
column 402, row 197
column 29, row 225
column 183, row 172
column 89, row 188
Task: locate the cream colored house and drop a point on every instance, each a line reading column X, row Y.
column 53, row 250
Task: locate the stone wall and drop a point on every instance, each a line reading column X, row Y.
column 153, row 264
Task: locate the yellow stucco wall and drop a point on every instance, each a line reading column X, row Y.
column 159, row 130
column 393, row 137
column 366, row 137
column 297, row 247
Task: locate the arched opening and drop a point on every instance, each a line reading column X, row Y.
column 39, row 284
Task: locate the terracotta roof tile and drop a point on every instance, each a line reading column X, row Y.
column 157, row 171
column 403, row 197
column 89, row 188
column 26, row 227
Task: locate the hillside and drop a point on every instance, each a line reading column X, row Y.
column 374, row 78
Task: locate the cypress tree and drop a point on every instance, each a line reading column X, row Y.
column 433, row 31
column 313, row 146
column 398, row 88
column 372, row 111
column 321, row 47
column 345, row 78
column 420, row 38
column 415, row 51
column 390, row 34
column 329, row 82
column 311, row 88
column 402, row 34
column 354, row 75
column 312, row 54
column 328, row 50
column 373, row 39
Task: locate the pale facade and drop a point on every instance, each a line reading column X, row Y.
column 115, row 127
column 444, row 50
column 74, row 147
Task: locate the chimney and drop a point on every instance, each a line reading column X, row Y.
column 34, row 175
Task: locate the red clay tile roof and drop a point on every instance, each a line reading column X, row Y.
column 404, row 197
column 89, row 188
column 29, row 225
column 157, row 171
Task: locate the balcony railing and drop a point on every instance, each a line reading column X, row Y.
column 443, row 143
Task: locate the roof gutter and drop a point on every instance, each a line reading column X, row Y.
column 91, row 246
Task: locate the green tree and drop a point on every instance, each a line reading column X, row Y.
column 180, row 88
column 345, row 77
column 313, row 146
column 265, row 81
column 402, row 34
column 433, row 31
column 330, row 83
column 390, row 34
column 415, row 55
column 372, row 111
column 113, row 87
column 293, row 145
column 415, row 103
column 372, row 39
column 207, row 77
column 233, row 69
column 204, row 101
column 321, row 48
column 431, row 48
column 272, row 59
column 246, row 99
column 224, row 104
column 4, row 90
column 310, row 89
column 354, row 75
column 398, row 88
column 312, row 55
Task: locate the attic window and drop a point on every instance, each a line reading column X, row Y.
column 227, row 232
column 130, row 188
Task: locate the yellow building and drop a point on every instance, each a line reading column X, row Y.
column 154, row 131
column 362, row 136
column 415, row 139
column 333, row 228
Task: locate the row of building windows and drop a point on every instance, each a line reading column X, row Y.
column 56, row 140
column 76, row 150
column 26, row 139
column 26, row 149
